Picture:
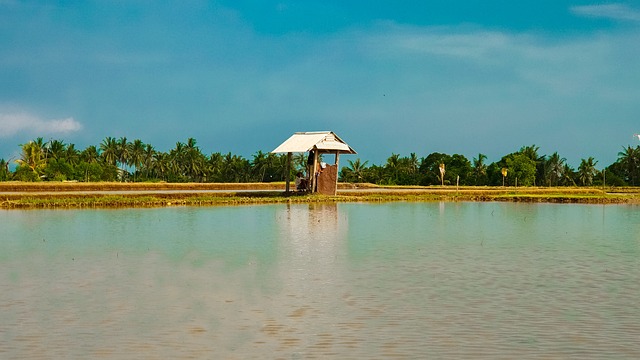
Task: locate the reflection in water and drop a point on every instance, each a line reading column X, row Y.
column 397, row 280
column 312, row 237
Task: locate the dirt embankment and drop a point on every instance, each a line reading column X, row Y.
column 120, row 186
column 17, row 195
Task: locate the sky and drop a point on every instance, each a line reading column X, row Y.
column 241, row 76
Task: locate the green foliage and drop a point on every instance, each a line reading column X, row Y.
column 627, row 167
column 24, row 173
column 455, row 166
column 480, row 170
column 521, row 169
column 614, row 175
column 5, row 174
column 58, row 170
column 119, row 159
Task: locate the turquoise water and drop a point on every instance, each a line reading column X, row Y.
column 391, row 280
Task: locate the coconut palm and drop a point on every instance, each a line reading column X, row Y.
column 56, row 149
column 259, row 164
column 109, row 150
column 413, row 163
column 357, row 169
column 90, row 155
column 555, row 168
column 124, row 155
column 193, row 161
column 629, row 158
column 531, row 152
column 479, row 168
column 161, row 164
column 300, row 162
column 148, row 159
column 72, row 155
column 277, row 167
column 587, row 171
column 136, row 155
column 215, row 165
column 4, row 170
column 44, row 146
column 392, row 168
column 176, row 161
column 32, row 158
column 568, row 175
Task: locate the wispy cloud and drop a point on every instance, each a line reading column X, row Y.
column 619, row 12
column 14, row 123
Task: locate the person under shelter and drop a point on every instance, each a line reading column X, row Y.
column 302, row 184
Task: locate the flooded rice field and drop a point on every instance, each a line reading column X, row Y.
column 391, row 280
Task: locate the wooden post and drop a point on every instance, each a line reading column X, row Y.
column 335, row 191
column 288, row 172
column 314, row 182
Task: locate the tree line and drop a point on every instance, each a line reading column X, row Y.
column 118, row 159
column 123, row 160
column 525, row 167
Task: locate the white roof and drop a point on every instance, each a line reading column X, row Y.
column 323, row 141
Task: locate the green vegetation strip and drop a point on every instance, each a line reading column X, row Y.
column 272, row 197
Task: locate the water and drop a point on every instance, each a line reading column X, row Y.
column 393, row 280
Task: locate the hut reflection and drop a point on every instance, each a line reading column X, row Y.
column 313, row 238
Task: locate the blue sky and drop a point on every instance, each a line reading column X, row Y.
column 240, row 76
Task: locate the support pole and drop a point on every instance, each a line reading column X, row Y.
column 335, row 190
column 288, row 172
column 314, row 182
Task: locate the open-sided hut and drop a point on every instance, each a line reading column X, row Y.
column 321, row 180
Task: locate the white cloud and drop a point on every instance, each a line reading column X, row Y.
column 611, row 11
column 14, row 123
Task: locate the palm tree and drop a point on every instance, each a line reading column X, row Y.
column 532, row 153
column 413, row 163
column 259, row 165
column 161, row 164
column 587, row 171
column 392, row 168
column 32, row 157
column 193, row 160
column 136, row 156
column 109, row 149
column 90, row 155
column 56, row 149
column 148, row 159
column 44, row 146
column 124, row 155
column 630, row 159
column 357, row 169
column 71, row 155
column 176, row 161
column 4, row 170
column 568, row 175
column 555, row 168
column 300, row 161
column 215, row 165
column 479, row 167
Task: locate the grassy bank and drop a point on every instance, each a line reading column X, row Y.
column 115, row 195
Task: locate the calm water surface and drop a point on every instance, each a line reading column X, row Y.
column 393, row 280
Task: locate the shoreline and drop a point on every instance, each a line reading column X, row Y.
column 69, row 195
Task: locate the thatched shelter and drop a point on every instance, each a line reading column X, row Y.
column 321, row 177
